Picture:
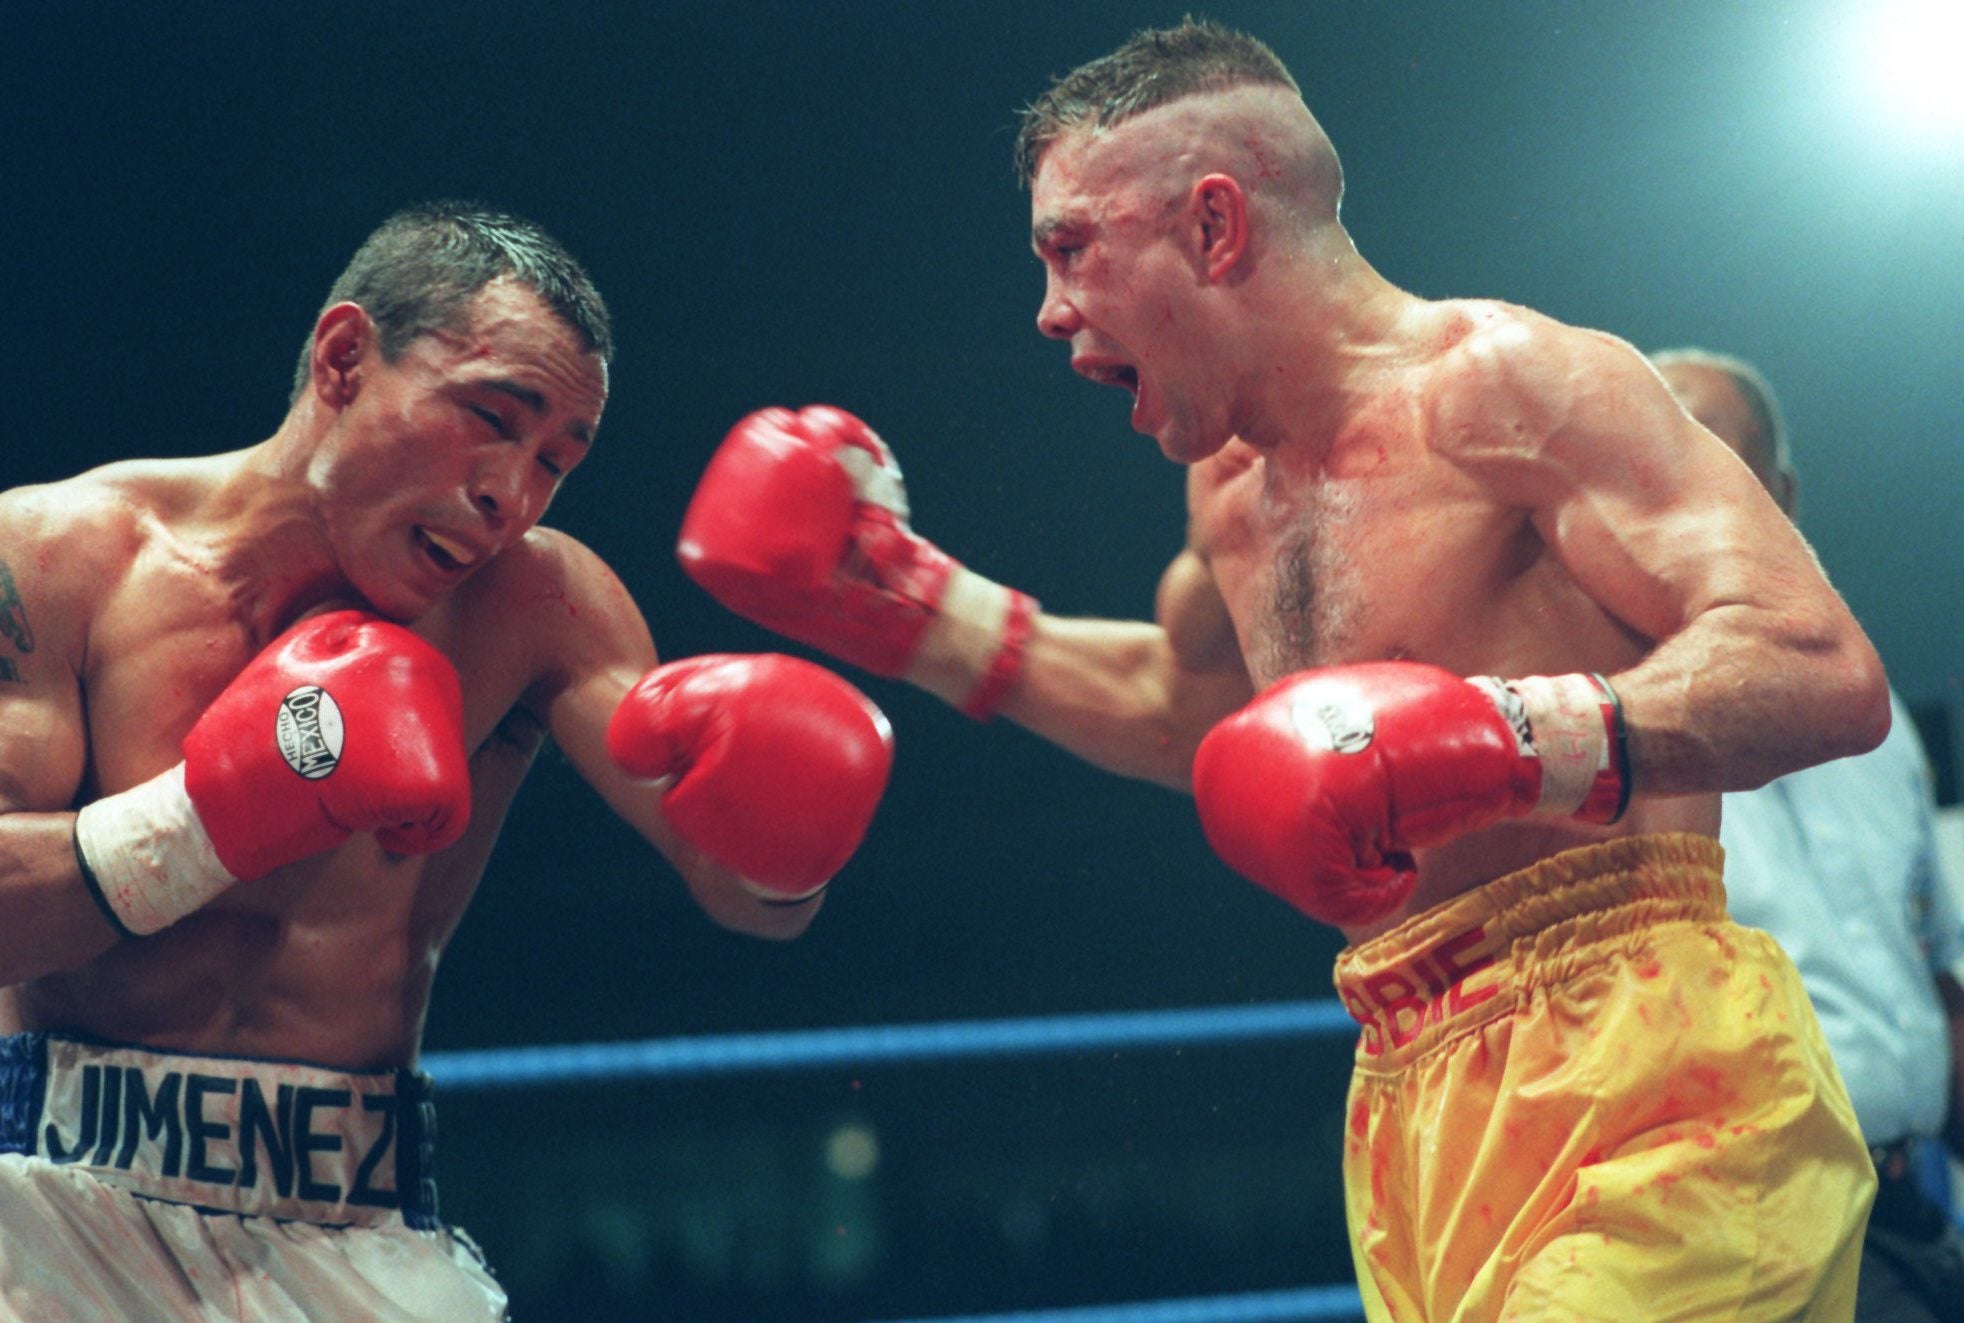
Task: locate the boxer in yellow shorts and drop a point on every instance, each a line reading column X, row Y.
column 1582, row 1092
column 1464, row 588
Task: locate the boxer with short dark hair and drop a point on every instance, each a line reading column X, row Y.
column 1472, row 627
column 262, row 716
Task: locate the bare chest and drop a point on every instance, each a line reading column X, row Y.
column 328, row 959
column 1341, row 569
column 167, row 640
column 162, row 644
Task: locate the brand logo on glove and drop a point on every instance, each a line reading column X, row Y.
column 308, row 730
column 1338, row 721
column 1513, row 710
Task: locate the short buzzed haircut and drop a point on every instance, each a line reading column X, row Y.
column 1154, row 68
column 422, row 267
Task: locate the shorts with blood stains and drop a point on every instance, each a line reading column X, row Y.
column 1583, row 1092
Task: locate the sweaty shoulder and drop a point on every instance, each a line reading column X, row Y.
column 94, row 516
column 551, row 607
column 1512, row 388
column 65, row 545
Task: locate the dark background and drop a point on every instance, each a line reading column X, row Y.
column 787, row 203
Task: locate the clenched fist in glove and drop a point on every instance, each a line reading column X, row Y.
column 1319, row 789
column 774, row 765
column 345, row 723
column 800, row 524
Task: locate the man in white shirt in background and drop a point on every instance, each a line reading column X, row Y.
column 1840, row 862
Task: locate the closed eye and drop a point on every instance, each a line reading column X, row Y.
column 491, row 418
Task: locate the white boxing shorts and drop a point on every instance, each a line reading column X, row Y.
column 139, row 1184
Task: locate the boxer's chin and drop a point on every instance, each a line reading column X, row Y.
column 393, row 602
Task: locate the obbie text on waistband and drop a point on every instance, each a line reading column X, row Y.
column 1426, row 987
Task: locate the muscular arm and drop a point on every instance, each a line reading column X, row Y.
column 801, row 523
column 1135, row 697
column 48, row 920
column 602, row 646
column 1759, row 668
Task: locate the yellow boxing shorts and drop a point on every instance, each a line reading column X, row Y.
column 1583, row 1092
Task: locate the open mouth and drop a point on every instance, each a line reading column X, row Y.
column 1115, row 374
column 450, row 555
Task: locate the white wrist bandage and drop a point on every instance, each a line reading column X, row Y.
column 1576, row 725
column 146, row 856
column 972, row 650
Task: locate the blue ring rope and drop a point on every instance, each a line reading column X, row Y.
column 807, row 1049
column 1297, row 1306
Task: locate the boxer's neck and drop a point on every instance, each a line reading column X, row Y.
column 258, row 535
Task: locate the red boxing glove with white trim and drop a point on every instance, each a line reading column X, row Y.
column 773, row 765
column 800, row 524
column 1319, row 789
column 345, row 723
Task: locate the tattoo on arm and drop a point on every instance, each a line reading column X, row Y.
column 13, row 622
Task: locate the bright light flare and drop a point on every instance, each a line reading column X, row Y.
column 1910, row 65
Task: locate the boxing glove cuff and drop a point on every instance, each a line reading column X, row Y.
column 1572, row 725
column 972, row 650
column 146, row 855
column 780, row 898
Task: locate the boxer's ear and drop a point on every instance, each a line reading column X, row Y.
column 1218, row 210
column 344, row 337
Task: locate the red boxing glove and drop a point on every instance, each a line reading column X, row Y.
column 776, row 764
column 345, row 723
column 800, row 524
column 1319, row 789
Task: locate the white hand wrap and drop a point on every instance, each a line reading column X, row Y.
column 146, row 856
column 1575, row 724
column 972, row 649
